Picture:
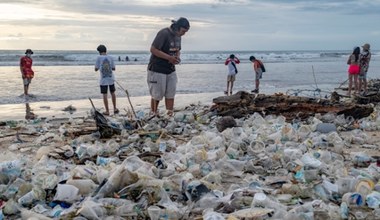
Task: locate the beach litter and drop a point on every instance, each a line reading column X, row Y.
column 194, row 165
column 71, row 109
column 106, row 129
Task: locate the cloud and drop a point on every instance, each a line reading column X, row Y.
column 215, row 24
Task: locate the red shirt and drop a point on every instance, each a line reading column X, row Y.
column 26, row 67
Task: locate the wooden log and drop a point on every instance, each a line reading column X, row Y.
column 242, row 104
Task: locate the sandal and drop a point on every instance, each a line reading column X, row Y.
column 170, row 113
column 154, row 114
column 106, row 113
column 116, row 111
column 255, row 91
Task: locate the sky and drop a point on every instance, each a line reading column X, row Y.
column 215, row 24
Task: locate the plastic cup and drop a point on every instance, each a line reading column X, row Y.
column 154, row 212
column 311, row 175
column 27, row 198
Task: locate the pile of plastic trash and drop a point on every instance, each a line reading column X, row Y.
column 184, row 167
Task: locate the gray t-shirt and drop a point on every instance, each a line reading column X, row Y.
column 169, row 43
column 106, row 66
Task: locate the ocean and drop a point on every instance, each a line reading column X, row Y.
column 70, row 75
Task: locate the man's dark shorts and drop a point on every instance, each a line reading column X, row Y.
column 104, row 89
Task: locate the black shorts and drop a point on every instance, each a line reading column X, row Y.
column 104, row 89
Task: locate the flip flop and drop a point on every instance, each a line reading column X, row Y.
column 170, row 113
column 106, row 113
column 116, row 111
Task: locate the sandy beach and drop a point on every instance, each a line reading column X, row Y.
column 55, row 109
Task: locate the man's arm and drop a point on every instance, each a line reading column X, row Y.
column 158, row 53
column 97, row 64
column 21, row 64
column 227, row 61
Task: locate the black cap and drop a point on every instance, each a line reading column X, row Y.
column 252, row 58
column 101, row 48
column 183, row 23
column 28, row 51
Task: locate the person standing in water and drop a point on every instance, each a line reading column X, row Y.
column 27, row 73
column 161, row 73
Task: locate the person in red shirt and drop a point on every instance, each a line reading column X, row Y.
column 27, row 73
column 258, row 72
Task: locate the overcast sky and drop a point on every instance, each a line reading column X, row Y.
column 215, row 24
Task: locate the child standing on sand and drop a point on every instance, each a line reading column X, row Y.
column 105, row 64
column 232, row 71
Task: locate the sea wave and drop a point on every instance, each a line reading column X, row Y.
column 78, row 58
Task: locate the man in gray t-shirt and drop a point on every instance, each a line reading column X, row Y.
column 162, row 78
column 106, row 66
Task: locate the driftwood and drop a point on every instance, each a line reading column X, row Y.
column 242, row 104
column 371, row 96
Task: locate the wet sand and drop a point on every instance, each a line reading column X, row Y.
column 83, row 107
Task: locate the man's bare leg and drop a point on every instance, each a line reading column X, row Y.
column 154, row 106
column 169, row 103
column 105, row 101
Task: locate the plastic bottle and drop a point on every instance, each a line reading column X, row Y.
column 344, row 210
column 111, row 183
column 345, row 184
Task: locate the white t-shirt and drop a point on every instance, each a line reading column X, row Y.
column 231, row 68
column 105, row 65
